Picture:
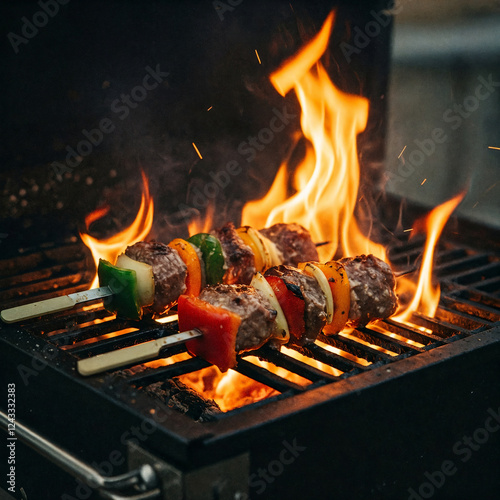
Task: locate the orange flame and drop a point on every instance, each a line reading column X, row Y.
column 110, row 248
column 330, row 121
column 427, row 295
column 229, row 390
column 202, row 224
column 327, row 180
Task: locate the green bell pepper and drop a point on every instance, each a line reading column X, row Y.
column 123, row 283
column 213, row 257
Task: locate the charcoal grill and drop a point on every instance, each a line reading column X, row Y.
column 379, row 427
column 397, row 404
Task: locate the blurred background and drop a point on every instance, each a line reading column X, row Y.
column 441, row 52
column 68, row 74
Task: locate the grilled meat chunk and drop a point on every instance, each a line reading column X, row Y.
column 293, row 241
column 373, row 286
column 238, row 256
column 256, row 313
column 307, row 288
column 169, row 272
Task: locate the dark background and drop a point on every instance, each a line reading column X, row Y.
column 66, row 77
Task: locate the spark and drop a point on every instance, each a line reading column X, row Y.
column 401, row 152
column 491, row 187
column 197, row 150
column 475, row 204
column 407, row 230
column 258, row 58
column 493, row 147
column 209, row 108
column 423, row 182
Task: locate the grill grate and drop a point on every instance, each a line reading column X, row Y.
column 365, row 393
column 470, row 303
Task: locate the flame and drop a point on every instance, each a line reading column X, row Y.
column 110, row 248
column 327, row 180
column 229, row 390
column 427, row 295
column 325, row 185
column 202, row 224
column 330, row 121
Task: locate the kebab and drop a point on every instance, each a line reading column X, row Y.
column 150, row 276
column 285, row 305
column 230, row 255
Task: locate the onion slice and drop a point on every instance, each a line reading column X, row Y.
column 256, row 238
column 145, row 279
column 281, row 332
column 310, row 269
column 273, row 255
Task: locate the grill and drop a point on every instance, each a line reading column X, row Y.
column 382, row 412
column 391, row 409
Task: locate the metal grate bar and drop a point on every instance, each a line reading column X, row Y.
column 18, row 295
column 480, row 300
column 385, row 341
column 474, row 276
column 413, row 333
column 491, row 285
column 451, row 268
column 71, row 319
column 158, row 374
column 330, row 358
column 117, row 342
column 266, row 377
column 486, row 314
column 89, row 332
column 291, row 364
column 355, row 348
column 458, row 321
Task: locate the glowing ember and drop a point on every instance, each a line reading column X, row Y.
column 229, row 390
column 327, row 180
column 110, row 248
column 197, row 150
column 426, row 298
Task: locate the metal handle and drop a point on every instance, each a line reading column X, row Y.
column 144, row 477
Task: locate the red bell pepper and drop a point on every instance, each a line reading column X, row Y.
column 293, row 306
column 219, row 327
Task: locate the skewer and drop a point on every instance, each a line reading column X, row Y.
column 210, row 331
column 53, row 305
column 66, row 302
column 63, row 302
column 135, row 354
column 408, row 271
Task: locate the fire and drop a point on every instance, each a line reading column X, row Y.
column 325, row 186
column 330, row 121
column 110, row 248
column 427, row 295
column 229, row 390
column 327, row 180
column 202, row 224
